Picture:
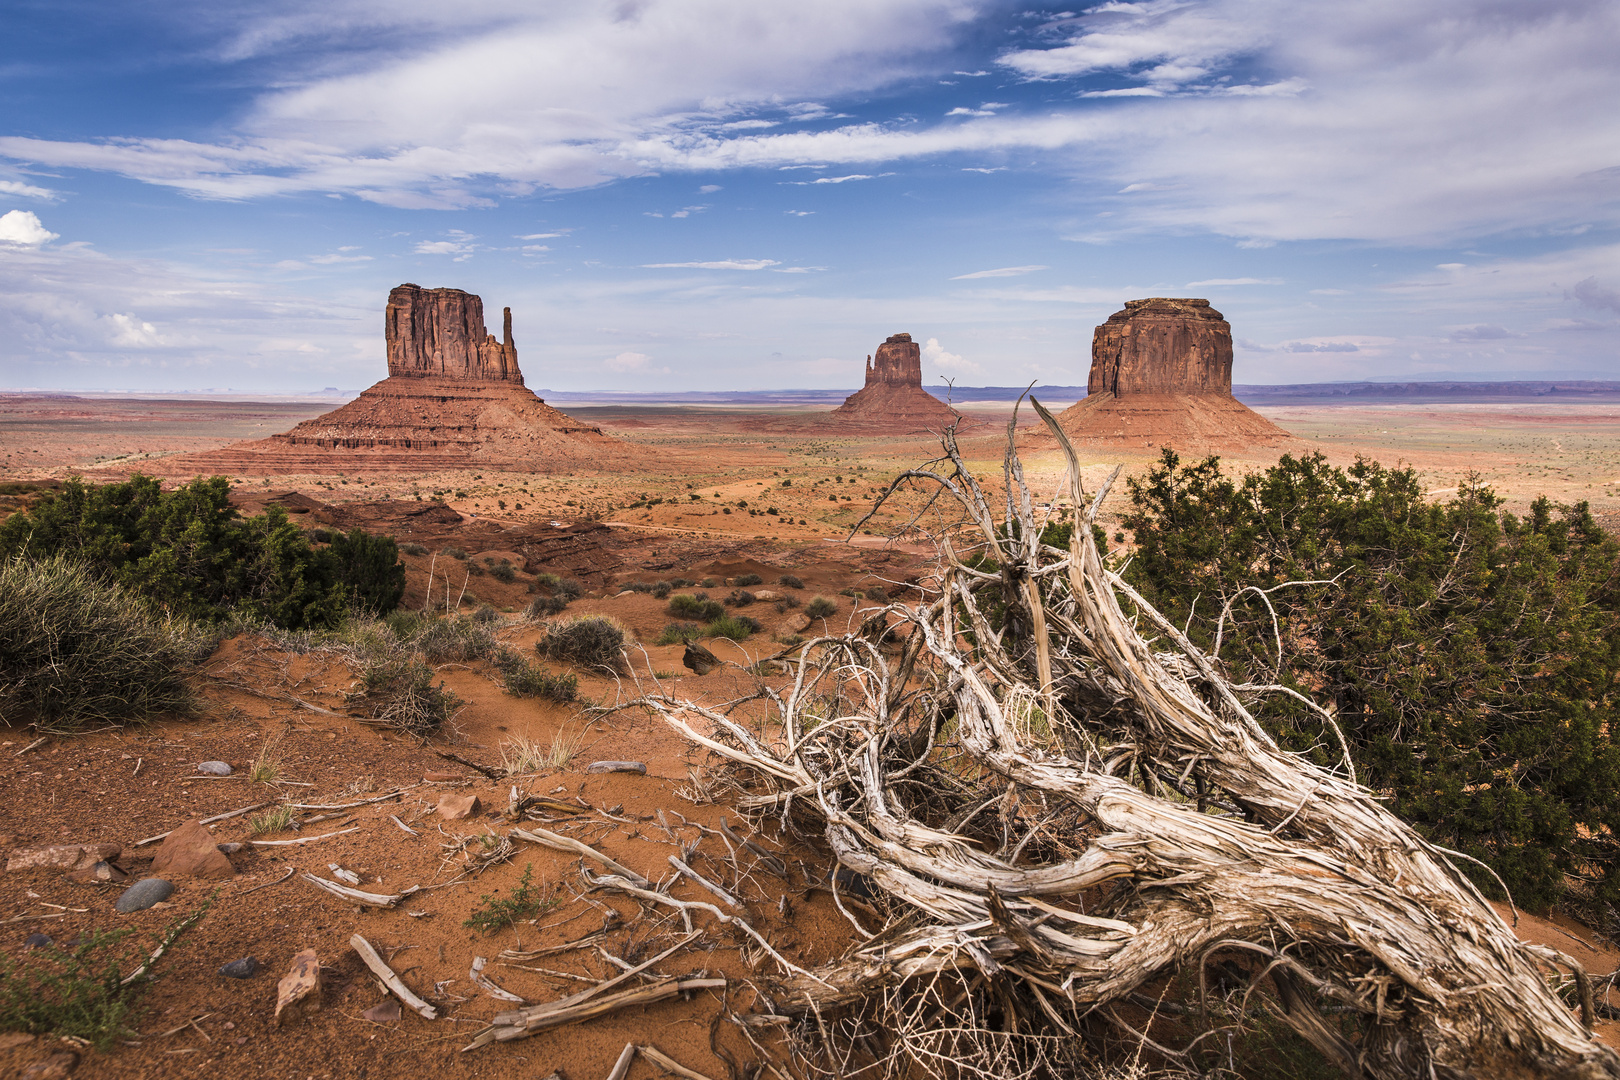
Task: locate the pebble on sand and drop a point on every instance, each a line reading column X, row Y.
column 245, row 968
column 215, row 768
column 143, row 894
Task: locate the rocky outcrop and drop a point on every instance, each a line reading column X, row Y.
column 899, row 363
column 439, row 333
column 1161, row 375
column 1162, row 346
column 893, row 400
column 454, row 398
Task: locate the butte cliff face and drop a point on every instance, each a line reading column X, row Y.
column 1161, row 375
column 893, row 400
column 439, row 333
column 454, row 398
column 1162, row 346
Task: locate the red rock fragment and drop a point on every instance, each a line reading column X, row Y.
column 299, row 992
column 453, row 807
column 190, row 851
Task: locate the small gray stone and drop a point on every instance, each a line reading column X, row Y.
column 36, row 941
column 143, row 894
column 215, row 768
column 617, row 766
column 231, row 848
column 245, row 968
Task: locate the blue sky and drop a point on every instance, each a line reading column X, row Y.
column 737, row 194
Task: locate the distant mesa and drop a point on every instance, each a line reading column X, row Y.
column 1161, row 375
column 454, row 397
column 893, row 400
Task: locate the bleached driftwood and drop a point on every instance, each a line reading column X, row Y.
column 379, row 967
column 1106, row 812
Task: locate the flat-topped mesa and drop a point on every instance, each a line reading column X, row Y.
column 440, row 333
column 1162, row 346
column 898, row 363
column 1161, row 375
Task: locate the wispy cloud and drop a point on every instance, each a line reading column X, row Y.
column 833, row 179
column 27, row 191
column 719, row 264
column 1005, row 271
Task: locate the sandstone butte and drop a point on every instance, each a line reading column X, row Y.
column 454, row 398
column 1161, row 375
column 893, row 401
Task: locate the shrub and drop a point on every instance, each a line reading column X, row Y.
column 189, row 553
column 739, row 598
column 678, row 634
column 526, row 902
column 698, row 609
column 544, row 581
column 820, row 607
column 411, row 547
column 592, row 641
column 1470, row 656
column 681, row 583
column 568, row 588
column 453, row 552
column 457, row 637
column 526, row 679
column 542, row 607
column 877, row 592
column 789, row 581
column 503, row 572
column 78, row 991
column 474, row 570
column 735, row 627
column 709, row 583
column 397, row 691
column 661, row 590
column 747, row 579
column 404, row 624
column 76, row 651
column 273, row 820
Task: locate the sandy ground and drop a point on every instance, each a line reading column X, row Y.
column 803, row 491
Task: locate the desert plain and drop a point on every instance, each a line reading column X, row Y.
column 743, row 491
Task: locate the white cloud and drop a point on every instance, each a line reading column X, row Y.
column 627, row 361
column 460, row 246
column 1482, row 332
column 935, row 356
column 708, row 189
column 131, row 332
column 1005, row 271
column 722, row 264
column 540, row 236
column 798, row 213
column 24, row 229
column 831, row 180
column 1235, row 281
column 998, row 168
column 987, row 109
column 333, row 260
column 27, row 191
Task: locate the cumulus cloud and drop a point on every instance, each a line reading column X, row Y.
column 24, row 229
column 131, row 332
column 460, row 246
column 627, row 361
column 1005, row 271
column 719, row 264
column 935, row 356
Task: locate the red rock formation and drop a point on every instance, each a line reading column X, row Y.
column 439, row 333
column 893, row 400
column 1162, row 346
column 1161, row 375
column 454, row 398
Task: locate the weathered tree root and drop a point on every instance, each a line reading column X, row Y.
column 1193, row 834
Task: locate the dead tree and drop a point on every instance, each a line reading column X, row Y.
column 1056, row 800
